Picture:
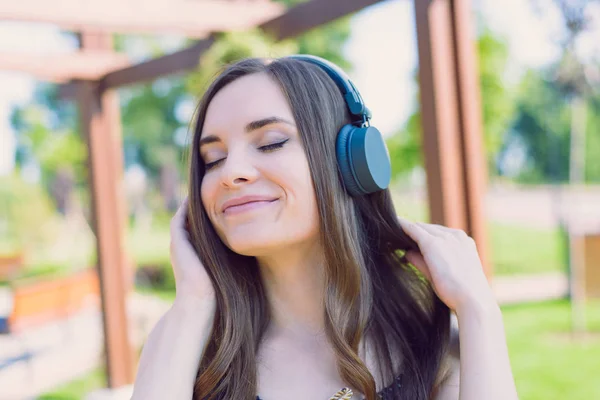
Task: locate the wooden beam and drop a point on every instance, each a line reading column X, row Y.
column 295, row 21
column 60, row 68
column 190, row 18
column 474, row 161
column 439, row 113
column 451, row 118
column 309, row 15
column 101, row 126
column 184, row 60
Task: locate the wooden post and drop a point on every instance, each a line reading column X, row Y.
column 100, row 119
column 451, row 118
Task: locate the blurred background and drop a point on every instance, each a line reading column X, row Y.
column 94, row 137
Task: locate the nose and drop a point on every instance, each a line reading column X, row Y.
column 237, row 169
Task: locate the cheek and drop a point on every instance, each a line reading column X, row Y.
column 207, row 192
column 297, row 179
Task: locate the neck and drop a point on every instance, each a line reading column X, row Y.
column 294, row 284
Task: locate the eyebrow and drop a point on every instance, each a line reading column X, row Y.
column 252, row 126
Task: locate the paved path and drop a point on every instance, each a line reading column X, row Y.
column 40, row 359
column 540, row 206
column 528, row 288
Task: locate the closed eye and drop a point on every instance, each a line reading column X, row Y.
column 273, row 146
column 211, row 165
column 265, row 149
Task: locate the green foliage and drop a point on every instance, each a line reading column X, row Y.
column 325, row 41
column 542, row 123
column 27, row 213
column 405, row 147
column 545, row 113
column 592, row 148
column 233, row 46
column 46, row 134
column 497, row 100
column 150, row 122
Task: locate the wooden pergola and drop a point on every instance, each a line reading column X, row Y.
column 450, row 105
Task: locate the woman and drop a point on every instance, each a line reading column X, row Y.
column 301, row 290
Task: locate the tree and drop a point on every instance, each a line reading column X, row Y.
column 47, row 138
column 230, row 47
column 540, row 130
column 151, row 124
column 573, row 85
column 572, row 78
column 557, row 111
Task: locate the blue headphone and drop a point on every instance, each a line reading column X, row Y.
column 362, row 155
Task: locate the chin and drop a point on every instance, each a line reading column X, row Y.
column 256, row 237
column 252, row 248
column 252, row 242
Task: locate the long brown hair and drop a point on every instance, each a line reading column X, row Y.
column 371, row 292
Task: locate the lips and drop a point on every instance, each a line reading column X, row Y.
column 238, row 201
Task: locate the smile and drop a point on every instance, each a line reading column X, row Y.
column 249, row 206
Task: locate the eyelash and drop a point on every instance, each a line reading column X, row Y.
column 265, row 149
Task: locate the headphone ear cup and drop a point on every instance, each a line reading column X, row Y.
column 363, row 160
column 344, row 160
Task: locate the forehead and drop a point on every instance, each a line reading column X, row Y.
column 246, row 99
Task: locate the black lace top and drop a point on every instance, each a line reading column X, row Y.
column 385, row 394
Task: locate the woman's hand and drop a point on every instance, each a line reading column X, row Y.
column 449, row 259
column 191, row 280
column 172, row 353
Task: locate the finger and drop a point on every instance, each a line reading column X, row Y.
column 434, row 229
column 415, row 231
column 416, row 259
column 440, row 230
column 181, row 211
column 178, row 220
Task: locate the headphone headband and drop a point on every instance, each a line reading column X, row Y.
column 362, row 156
column 353, row 99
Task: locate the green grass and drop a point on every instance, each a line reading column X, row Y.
column 519, row 249
column 547, row 364
column 514, row 249
column 77, row 389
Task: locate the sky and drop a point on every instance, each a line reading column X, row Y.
column 382, row 49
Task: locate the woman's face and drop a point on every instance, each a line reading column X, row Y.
column 254, row 156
